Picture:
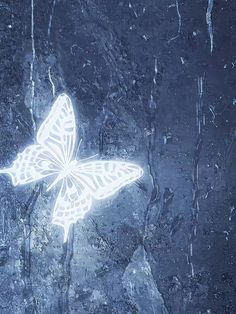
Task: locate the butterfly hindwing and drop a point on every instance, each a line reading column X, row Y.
column 104, row 178
column 73, row 202
column 34, row 163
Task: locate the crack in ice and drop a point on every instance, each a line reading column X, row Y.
column 209, row 23
column 50, row 18
column 32, row 66
column 179, row 21
column 198, row 148
column 51, row 81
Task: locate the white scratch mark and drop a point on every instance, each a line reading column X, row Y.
column 226, row 235
column 196, row 208
column 51, row 81
column 231, row 212
column 199, row 104
column 50, row 18
column 179, row 16
column 182, row 60
column 155, row 67
column 145, row 37
column 200, row 86
column 131, row 7
column 179, row 21
column 209, row 23
column 32, row 66
column 192, row 269
column 155, row 72
column 191, row 249
column 152, row 103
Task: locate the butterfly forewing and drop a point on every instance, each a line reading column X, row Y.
column 58, row 131
column 54, row 149
column 104, row 178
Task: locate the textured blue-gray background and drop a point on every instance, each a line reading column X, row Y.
column 152, row 82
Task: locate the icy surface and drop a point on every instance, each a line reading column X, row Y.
column 152, row 82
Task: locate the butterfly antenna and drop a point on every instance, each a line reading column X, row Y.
column 89, row 157
column 77, row 151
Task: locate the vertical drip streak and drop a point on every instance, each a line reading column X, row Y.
column 197, row 152
column 32, row 66
column 209, row 23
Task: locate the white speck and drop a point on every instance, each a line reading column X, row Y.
column 194, row 34
column 9, row 26
column 209, row 23
column 182, row 60
column 227, row 235
column 231, row 213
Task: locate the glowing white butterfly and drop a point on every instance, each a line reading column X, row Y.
column 52, row 156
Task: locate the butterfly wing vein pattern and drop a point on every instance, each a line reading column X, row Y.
column 52, row 157
column 104, row 178
column 57, row 133
column 72, row 203
column 33, row 164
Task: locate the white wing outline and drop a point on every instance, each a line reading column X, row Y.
column 54, row 149
column 80, row 182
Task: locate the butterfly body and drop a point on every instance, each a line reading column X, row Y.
column 52, row 158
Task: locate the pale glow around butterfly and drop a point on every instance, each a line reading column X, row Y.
column 52, row 157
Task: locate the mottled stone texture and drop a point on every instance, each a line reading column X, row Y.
column 152, row 82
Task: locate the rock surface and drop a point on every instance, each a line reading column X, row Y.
column 152, row 82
